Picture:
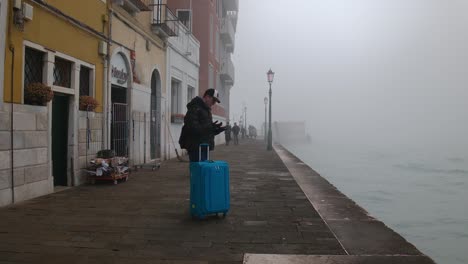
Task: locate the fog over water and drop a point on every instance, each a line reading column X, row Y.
column 392, row 71
column 383, row 88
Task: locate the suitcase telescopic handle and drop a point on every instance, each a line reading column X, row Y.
column 207, row 151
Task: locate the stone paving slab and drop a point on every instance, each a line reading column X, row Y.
column 304, row 259
column 146, row 220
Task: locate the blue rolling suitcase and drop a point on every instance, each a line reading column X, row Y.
column 209, row 187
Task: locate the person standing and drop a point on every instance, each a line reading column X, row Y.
column 227, row 133
column 235, row 132
column 250, row 135
column 198, row 126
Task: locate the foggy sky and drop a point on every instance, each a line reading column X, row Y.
column 368, row 71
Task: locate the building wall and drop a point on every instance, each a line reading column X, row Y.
column 142, row 20
column 89, row 11
column 184, row 68
column 133, row 34
column 224, row 87
column 30, row 153
column 57, row 34
column 90, row 141
column 146, row 61
column 201, row 28
column 202, row 10
column 71, row 30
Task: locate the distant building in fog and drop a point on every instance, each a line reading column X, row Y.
column 289, row 131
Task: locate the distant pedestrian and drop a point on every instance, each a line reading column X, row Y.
column 252, row 132
column 235, row 133
column 227, row 133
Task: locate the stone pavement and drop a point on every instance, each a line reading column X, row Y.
column 146, row 220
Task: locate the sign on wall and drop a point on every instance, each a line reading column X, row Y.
column 119, row 71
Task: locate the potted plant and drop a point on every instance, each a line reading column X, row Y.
column 88, row 103
column 38, row 94
column 177, row 118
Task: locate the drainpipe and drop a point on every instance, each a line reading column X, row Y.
column 107, row 82
column 12, row 50
column 104, row 107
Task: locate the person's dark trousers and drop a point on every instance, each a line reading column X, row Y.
column 236, row 140
column 194, row 155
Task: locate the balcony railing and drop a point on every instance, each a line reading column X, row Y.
column 133, row 6
column 231, row 5
column 227, row 70
column 165, row 23
column 227, row 31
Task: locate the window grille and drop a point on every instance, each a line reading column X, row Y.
column 62, row 72
column 33, row 66
column 85, row 81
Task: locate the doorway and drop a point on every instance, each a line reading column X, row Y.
column 155, row 123
column 60, row 104
column 119, row 129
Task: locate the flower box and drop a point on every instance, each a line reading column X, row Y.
column 88, row 103
column 38, row 94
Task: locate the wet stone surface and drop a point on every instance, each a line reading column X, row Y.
column 146, row 220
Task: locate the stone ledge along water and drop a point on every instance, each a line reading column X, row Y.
column 280, row 208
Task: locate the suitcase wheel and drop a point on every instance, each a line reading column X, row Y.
column 224, row 215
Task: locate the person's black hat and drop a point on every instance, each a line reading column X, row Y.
column 213, row 93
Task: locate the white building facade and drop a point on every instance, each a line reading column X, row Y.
column 183, row 63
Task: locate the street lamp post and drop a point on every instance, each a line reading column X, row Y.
column 265, row 100
column 270, row 75
column 245, row 126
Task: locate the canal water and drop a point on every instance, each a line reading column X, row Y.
column 420, row 192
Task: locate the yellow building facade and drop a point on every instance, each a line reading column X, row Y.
column 61, row 34
column 62, row 44
column 114, row 51
column 138, row 53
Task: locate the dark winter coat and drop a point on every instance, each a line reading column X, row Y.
column 198, row 126
column 235, row 130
